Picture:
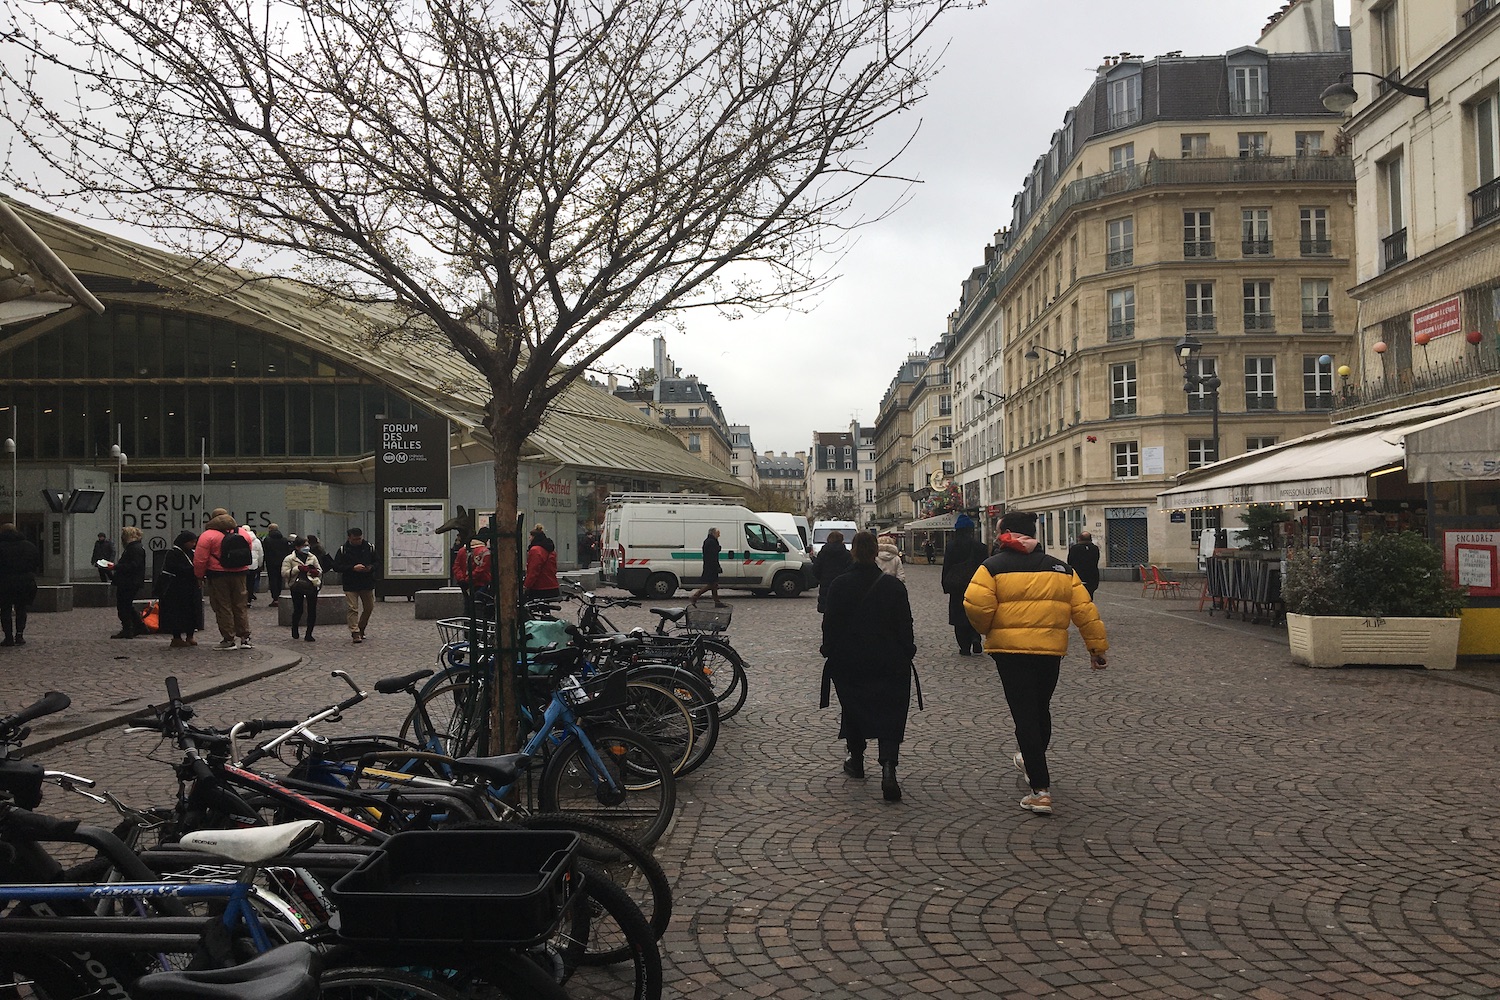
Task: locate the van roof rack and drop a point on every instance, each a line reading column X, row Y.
column 617, row 498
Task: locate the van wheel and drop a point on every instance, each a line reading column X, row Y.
column 660, row 586
column 786, row 585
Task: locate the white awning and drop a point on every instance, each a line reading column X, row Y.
column 1455, row 448
column 938, row 522
column 1338, row 463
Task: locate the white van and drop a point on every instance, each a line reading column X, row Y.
column 823, row 529
column 652, row 544
column 786, row 525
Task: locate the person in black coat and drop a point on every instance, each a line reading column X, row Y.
column 276, row 547
column 832, row 559
column 869, row 647
column 1083, row 556
column 711, row 550
column 20, row 561
column 129, row 574
column 103, row 549
column 961, row 559
column 177, row 590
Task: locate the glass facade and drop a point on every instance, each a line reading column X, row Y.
column 161, row 381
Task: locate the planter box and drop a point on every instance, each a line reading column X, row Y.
column 1330, row 641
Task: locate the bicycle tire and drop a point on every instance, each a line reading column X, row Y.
column 464, row 803
column 637, row 765
column 450, row 716
column 656, row 712
column 373, row 983
column 699, row 699
column 724, row 670
column 618, row 934
column 623, row 858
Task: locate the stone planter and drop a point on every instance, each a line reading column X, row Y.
column 1331, row 641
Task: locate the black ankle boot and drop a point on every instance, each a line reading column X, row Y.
column 854, row 767
column 888, row 786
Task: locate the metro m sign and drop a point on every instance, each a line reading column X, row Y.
column 1438, row 319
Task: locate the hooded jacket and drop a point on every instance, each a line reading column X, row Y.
column 206, row 555
column 888, row 558
column 1021, row 600
column 541, row 564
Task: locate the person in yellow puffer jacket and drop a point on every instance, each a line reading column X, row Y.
column 1021, row 601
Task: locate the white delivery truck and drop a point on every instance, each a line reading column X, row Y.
column 823, row 529
column 786, row 525
column 652, row 544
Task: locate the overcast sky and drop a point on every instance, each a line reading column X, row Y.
column 1011, row 71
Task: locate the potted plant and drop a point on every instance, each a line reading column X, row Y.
column 1386, row 599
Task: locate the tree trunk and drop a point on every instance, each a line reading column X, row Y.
column 508, row 553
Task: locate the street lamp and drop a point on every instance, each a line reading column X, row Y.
column 1342, row 96
column 10, row 446
column 1032, row 355
column 118, row 454
column 203, row 483
column 981, row 395
column 1187, row 349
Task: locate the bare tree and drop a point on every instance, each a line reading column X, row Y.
column 837, row 507
column 532, row 181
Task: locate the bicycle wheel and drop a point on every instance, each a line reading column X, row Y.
column 644, row 792
column 622, row 858
column 690, row 689
column 371, row 983
column 656, row 712
column 451, row 715
column 618, row 936
column 724, row 670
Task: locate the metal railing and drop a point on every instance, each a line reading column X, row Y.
column 1317, row 321
column 1202, row 323
column 1122, row 331
column 1259, row 321
column 1122, row 408
column 1260, row 401
column 1317, row 248
column 1474, row 14
column 1420, row 378
column 1484, row 201
column 1119, row 258
column 1250, row 105
column 1256, row 248
column 1120, row 119
column 1198, row 250
column 1393, row 249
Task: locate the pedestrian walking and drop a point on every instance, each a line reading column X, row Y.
column 588, row 548
column 1083, row 556
column 961, row 558
column 473, row 571
column 325, row 561
column 104, row 551
column 711, row 550
column 356, row 562
column 257, row 561
column 20, row 561
column 1022, row 599
column 277, row 547
column 888, row 557
column 869, row 651
column 540, row 582
column 220, row 559
column 832, row 559
column 129, row 574
column 303, row 574
column 927, row 549
column 178, row 595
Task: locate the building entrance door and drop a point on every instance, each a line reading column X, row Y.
column 1126, row 541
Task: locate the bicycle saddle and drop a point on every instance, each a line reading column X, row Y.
column 390, row 685
column 670, row 614
column 254, row 845
column 289, row 972
column 501, row 770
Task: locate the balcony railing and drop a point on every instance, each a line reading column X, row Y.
column 1198, row 250
column 1128, row 116
column 1202, row 323
column 1259, row 321
column 1122, row 408
column 1317, row 321
column 1317, row 248
column 1255, row 247
column 1474, row 14
column 1393, row 249
column 1250, row 105
column 1260, row 401
column 1317, row 400
column 1484, row 201
column 1119, row 258
column 1123, row 330
column 1444, row 375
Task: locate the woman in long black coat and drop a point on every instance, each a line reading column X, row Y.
column 178, row 591
column 964, row 555
column 19, row 563
column 869, row 646
column 129, row 572
column 832, row 559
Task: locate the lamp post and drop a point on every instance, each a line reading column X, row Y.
column 202, row 483
column 981, row 395
column 1032, row 355
column 1342, row 96
column 117, row 452
column 1187, row 349
column 10, row 446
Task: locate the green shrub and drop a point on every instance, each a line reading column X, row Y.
column 1386, row 576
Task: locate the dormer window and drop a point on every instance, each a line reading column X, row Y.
column 1249, row 85
column 1124, row 83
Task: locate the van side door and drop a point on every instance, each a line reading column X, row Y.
column 764, row 554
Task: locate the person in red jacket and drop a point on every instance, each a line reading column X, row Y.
column 471, row 568
column 541, row 567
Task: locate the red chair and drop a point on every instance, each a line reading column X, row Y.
column 1146, row 582
column 1164, row 587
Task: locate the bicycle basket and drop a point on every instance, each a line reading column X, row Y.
column 706, row 619
column 452, row 630
column 605, row 693
column 457, row 887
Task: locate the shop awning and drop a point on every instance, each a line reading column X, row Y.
column 1338, row 463
column 1456, row 448
column 938, row 522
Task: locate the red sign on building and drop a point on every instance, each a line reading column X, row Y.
column 1438, row 319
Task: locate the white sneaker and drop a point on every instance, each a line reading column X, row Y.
column 1038, row 802
column 1020, row 763
column 228, row 644
column 246, row 644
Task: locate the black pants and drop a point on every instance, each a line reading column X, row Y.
column 16, row 609
column 889, row 749
column 307, row 599
column 130, row 622
column 1029, row 681
column 273, row 583
column 967, row 637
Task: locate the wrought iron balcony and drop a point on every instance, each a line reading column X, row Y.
column 1255, row 247
column 1393, row 249
column 1317, row 247
column 1317, row 400
column 1317, row 321
column 1198, row 250
column 1124, row 330
column 1260, row 401
column 1476, row 13
column 1484, row 201
column 1122, row 408
column 1202, row 323
column 1119, row 258
column 1423, row 378
column 1128, row 116
column 1259, row 321
column 1250, row 105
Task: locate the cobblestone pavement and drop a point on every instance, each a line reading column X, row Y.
column 1228, row 824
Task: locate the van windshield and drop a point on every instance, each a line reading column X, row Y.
column 820, row 535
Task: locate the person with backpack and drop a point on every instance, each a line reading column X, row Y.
column 221, row 560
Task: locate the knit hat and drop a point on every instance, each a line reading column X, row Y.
column 1020, row 522
column 962, row 521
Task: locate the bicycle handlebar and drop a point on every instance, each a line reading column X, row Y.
column 48, row 704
